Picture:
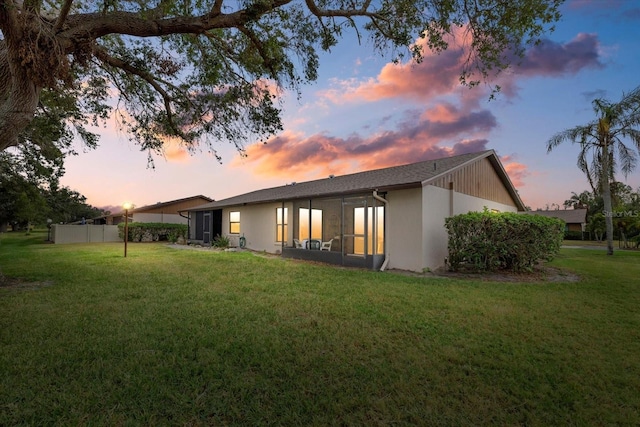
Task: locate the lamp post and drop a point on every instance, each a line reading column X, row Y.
column 49, row 222
column 126, row 207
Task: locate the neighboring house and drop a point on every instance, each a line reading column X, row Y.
column 386, row 218
column 574, row 219
column 163, row 212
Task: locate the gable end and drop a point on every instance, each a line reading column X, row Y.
column 478, row 179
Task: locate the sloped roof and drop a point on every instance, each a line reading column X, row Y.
column 157, row 205
column 172, row 202
column 569, row 216
column 404, row 176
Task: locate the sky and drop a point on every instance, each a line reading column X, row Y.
column 367, row 113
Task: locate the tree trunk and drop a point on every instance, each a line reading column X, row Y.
column 19, row 97
column 606, row 197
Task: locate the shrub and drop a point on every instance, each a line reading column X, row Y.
column 573, row 235
column 484, row 241
column 153, row 231
column 221, row 242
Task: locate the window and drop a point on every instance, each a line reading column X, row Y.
column 373, row 223
column 234, row 222
column 282, row 224
column 316, row 223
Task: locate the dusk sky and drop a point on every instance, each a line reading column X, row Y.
column 366, row 113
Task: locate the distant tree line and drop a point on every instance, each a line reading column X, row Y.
column 625, row 213
column 31, row 194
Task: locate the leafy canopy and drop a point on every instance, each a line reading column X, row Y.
column 204, row 71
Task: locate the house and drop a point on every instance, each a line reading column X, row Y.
column 574, row 219
column 385, row 218
column 162, row 212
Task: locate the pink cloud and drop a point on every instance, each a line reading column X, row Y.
column 439, row 132
column 517, row 171
column 438, row 74
column 554, row 59
column 174, row 151
column 442, row 128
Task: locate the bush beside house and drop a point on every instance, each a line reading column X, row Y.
column 154, row 232
column 484, row 241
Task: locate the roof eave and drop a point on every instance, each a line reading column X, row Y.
column 221, row 205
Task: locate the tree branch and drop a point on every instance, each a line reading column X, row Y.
column 64, row 12
column 217, row 8
column 91, row 26
column 9, row 20
column 104, row 56
column 342, row 13
column 260, row 47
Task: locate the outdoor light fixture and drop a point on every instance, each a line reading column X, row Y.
column 126, row 207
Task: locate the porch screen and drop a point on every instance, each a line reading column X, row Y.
column 316, row 223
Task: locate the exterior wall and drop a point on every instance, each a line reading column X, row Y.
column 436, row 205
column 463, row 203
column 84, row 233
column 164, row 218
column 257, row 224
column 416, row 236
column 404, row 229
column 439, row 204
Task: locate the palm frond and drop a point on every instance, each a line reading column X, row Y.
column 628, row 158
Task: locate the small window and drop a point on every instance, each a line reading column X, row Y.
column 282, row 224
column 234, row 222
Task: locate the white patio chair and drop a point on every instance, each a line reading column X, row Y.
column 326, row 246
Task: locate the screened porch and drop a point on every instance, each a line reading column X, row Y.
column 347, row 231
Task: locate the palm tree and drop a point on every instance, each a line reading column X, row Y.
column 579, row 201
column 603, row 149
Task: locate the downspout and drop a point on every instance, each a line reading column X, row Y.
column 451, row 198
column 386, row 204
column 188, row 217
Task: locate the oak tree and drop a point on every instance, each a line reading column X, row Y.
column 204, row 71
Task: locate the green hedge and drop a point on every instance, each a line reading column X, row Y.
column 154, row 231
column 573, row 235
column 484, row 241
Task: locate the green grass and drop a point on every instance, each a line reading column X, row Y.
column 181, row 337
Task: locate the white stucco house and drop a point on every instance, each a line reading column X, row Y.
column 378, row 219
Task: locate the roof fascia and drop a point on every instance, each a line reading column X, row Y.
column 310, row 196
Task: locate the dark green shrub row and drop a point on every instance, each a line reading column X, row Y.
column 154, row 231
column 573, row 235
column 484, row 241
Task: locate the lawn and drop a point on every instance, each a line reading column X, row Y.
column 183, row 337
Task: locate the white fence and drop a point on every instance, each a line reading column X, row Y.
column 84, row 233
